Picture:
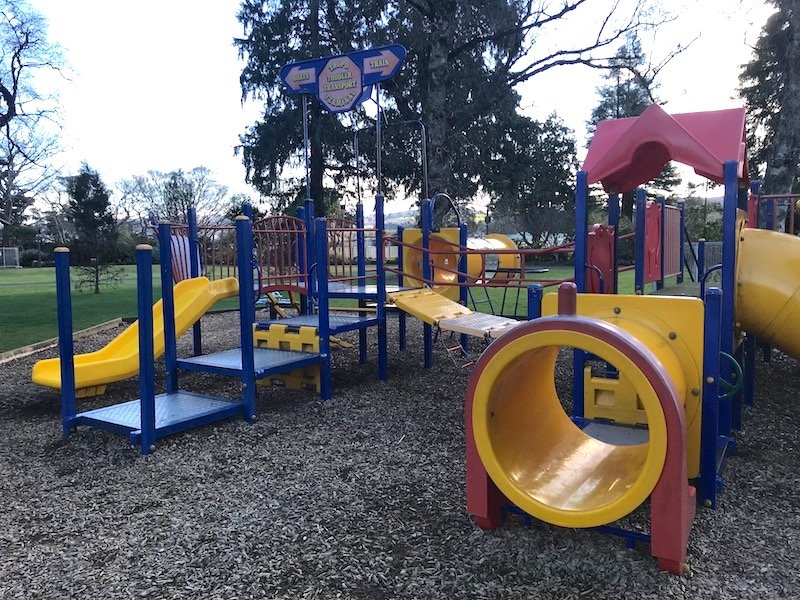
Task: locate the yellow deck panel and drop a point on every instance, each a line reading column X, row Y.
column 427, row 305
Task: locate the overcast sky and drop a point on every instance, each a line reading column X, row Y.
column 155, row 83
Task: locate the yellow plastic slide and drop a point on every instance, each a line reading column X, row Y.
column 119, row 359
column 768, row 287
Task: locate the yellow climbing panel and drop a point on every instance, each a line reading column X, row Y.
column 298, row 339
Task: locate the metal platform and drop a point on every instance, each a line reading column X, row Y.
column 174, row 412
column 266, row 361
column 479, row 325
column 338, row 323
column 687, row 288
column 619, row 435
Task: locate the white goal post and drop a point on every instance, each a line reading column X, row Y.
column 9, row 258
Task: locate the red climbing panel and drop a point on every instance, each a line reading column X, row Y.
column 600, row 258
column 652, row 242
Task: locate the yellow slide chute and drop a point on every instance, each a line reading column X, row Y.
column 768, row 287
column 119, row 359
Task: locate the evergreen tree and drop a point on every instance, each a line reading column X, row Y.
column 89, row 211
column 628, row 92
column 537, row 163
column 463, row 63
column 770, row 87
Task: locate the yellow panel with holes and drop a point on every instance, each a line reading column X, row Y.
column 297, row 339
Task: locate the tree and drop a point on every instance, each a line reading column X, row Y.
column 235, row 207
column 89, row 210
column 770, row 87
column 537, row 162
column 24, row 171
column 166, row 197
column 25, row 115
column 463, row 64
column 628, row 92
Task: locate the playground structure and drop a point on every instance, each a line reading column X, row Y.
column 651, row 406
column 659, row 360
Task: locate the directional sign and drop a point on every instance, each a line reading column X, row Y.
column 340, row 84
column 300, row 79
column 343, row 81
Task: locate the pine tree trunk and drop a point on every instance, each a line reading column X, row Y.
column 440, row 171
column 315, row 124
column 784, row 155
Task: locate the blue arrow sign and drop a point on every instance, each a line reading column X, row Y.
column 340, row 81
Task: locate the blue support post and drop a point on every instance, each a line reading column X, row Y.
column 247, row 210
column 770, row 207
column 361, row 244
column 701, row 258
column 535, row 296
column 613, row 220
column 383, row 352
column 308, row 215
column 462, row 279
column 244, row 252
column 662, row 203
column 304, row 265
column 750, row 349
column 401, row 315
column 736, row 400
column 361, row 247
column 755, row 190
column 581, row 258
column 639, row 241
column 709, row 432
column 581, row 229
column 66, row 350
column 729, row 208
column 743, row 352
column 194, row 271
column 427, row 330
column 323, row 302
column 682, row 251
column 168, row 311
column 147, row 393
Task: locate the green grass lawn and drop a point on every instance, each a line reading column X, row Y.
column 28, row 302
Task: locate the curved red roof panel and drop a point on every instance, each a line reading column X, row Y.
column 625, row 153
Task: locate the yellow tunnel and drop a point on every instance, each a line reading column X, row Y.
column 539, row 458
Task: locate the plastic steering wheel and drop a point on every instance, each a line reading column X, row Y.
column 731, row 388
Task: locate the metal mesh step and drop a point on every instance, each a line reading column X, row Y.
column 479, row 325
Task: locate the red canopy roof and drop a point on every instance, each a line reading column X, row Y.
column 625, row 153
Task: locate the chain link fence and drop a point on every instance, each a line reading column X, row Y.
column 713, row 257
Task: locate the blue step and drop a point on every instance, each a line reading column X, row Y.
column 267, row 361
column 174, row 412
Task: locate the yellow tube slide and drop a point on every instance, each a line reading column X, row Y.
column 768, row 287
column 119, row 359
column 444, row 248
